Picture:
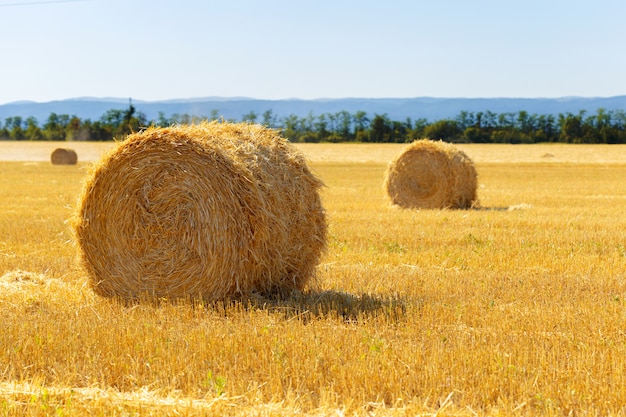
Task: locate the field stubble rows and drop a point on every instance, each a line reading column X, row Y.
column 516, row 308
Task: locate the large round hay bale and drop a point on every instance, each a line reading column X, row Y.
column 431, row 175
column 212, row 211
column 63, row 156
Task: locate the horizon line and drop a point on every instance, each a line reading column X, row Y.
column 244, row 98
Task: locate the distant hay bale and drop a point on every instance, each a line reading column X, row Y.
column 63, row 156
column 431, row 175
column 214, row 210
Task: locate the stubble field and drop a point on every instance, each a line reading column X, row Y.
column 516, row 308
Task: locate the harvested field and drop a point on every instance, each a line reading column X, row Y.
column 361, row 152
column 516, row 308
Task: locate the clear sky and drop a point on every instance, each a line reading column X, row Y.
column 275, row 49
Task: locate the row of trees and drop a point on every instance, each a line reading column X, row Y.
column 480, row 127
column 62, row 127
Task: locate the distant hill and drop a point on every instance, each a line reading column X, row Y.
column 400, row 109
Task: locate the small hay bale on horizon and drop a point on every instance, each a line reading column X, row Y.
column 213, row 211
column 431, row 175
column 63, row 156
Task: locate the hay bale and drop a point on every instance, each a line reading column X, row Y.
column 64, row 156
column 214, row 210
column 431, row 175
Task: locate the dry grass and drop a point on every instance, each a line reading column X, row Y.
column 476, row 312
column 212, row 211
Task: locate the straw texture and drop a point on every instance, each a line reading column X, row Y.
column 431, row 175
column 63, row 156
column 214, row 210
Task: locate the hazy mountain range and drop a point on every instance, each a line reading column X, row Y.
column 398, row 109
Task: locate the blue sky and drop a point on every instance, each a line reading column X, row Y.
column 274, row 49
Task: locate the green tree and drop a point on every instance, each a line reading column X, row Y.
column 15, row 127
column 380, row 128
column 77, row 130
column 361, row 123
column 344, row 125
column 113, row 117
column 269, row 119
column 307, row 124
column 250, row 117
column 618, row 118
column 504, row 136
column 98, row 131
column 465, row 119
column 447, row 130
column 506, row 121
column 417, row 132
column 162, row 120
column 546, row 129
column 332, row 123
column 321, row 126
column 399, row 130
column 291, row 129
column 33, row 132
column 525, row 122
column 571, row 127
column 215, row 115
column 475, row 134
column 54, row 127
column 133, row 121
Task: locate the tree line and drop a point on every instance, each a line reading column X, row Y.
column 605, row 126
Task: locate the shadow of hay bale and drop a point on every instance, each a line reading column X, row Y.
column 349, row 307
column 514, row 207
column 303, row 306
